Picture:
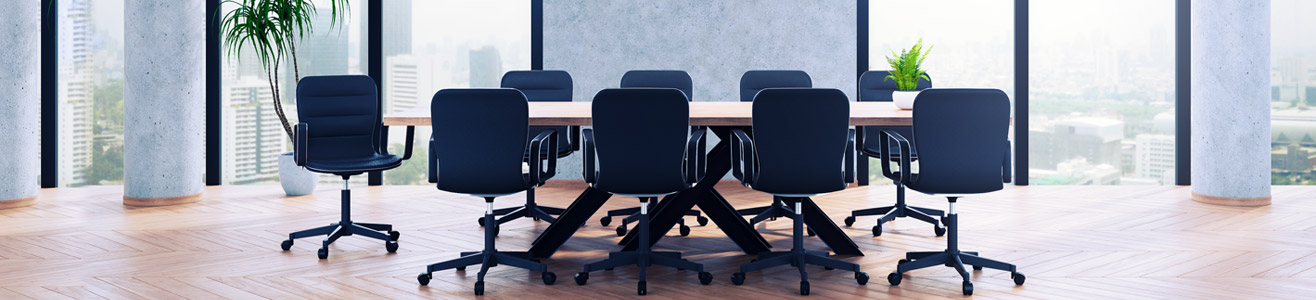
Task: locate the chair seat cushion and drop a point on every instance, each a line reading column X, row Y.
column 355, row 165
column 872, row 141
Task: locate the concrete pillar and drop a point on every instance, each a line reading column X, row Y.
column 1231, row 102
column 164, row 101
column 20, row 102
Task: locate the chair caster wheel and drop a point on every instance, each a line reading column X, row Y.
column 497, row 229
column 1018, row 278
column 977, row 268
column 481, row 221
column 391, row 246
column 894, row 278
column 804, row 288
column 605, row 221
column 943, row 220
column 702, row 221
column 829, row 268
column 323, row 253
column 621, row 230
column 849, row 221
column 424, row 278
column 877, row 229
column 685, row 230
column 582, row 278
column 861, row 278
column 968, row 288
column 287, row 244
column 642, row 288
column 939, row 230
column 705, row 278
column 548, row 277
column 394, row 235
column 903, row 261
column 738, row 278
column 462, row 268
column 479, row 288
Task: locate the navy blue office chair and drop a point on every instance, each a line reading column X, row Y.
column 655, row 79
column 873, row 86
column 339, row 134
column 478, row 145
column 645, row 155
column 963, row 150
column 801, row 148
column 540, row 85
column 750, row 84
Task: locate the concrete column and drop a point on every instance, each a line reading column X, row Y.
column 1231, row 102
column 20, row 102
column 164, row 101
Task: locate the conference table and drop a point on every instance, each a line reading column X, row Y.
column 721, row 118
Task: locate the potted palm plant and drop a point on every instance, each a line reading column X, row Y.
column 270, row 30
column 906, row 71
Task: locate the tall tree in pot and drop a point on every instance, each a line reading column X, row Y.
column 271, row 29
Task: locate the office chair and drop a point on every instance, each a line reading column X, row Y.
column 540, row 85
column 873, row 86
column 339, row 134
column 477, row 149
column 963, row 150
column 655, row 79
column 750, row 85
column 801, row 148
column 645, row 149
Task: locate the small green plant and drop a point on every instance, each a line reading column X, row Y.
column 907, row 66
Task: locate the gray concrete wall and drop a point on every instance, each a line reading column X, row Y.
column 715, row 41
column 20, row 99
column 164, row 98
column 1231, row 98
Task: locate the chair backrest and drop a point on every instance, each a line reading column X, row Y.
column 540, row 85
column 640, row 135
column 756, row 80
column 962, row 139
column 342, row 113
column 480, row 137
column 873, row 86
column 799, row 139
column 676, row 79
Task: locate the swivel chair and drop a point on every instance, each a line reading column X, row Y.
column 655, row 79
column 750, row 84
column 339, row 134
column 802, row 147
column 873, row 86
column 540, row 85
column 963, row 150
column 477, row 149
column 645, row 155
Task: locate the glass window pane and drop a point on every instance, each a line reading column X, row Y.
column 1293, row 92
column 90, row 92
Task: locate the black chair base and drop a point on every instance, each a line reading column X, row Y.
column 900, row 210
column 643, row 257
column 952, row 257
column 798, row 258
column 346, row 227
column 633, row 214
column 778, row 209
column 530, row 209
column 487, row 258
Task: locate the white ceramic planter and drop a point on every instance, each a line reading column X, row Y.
column 296, row 180
column 904, row 99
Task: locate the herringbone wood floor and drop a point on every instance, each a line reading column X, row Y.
column 1072, row 242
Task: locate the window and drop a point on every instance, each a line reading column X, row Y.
column 1101, row 102
column 90, row 92
column 972, row 43
column 252, row 135
column 1293, row 92
column 435, row 44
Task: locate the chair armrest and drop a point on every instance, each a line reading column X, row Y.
column 538, row 152
column 411, row 135
column 433, row 170
column 590, row 172
column 573, row 137
column 1007, row 173
column 695, row 167
column 859, row 140
column 301, row 143
column 885, row 137
column 849, row 157
column 742, row 157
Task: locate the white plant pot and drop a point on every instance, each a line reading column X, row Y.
column 904, row 99
column 296, row 180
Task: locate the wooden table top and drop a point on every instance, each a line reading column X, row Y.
column 701, row 114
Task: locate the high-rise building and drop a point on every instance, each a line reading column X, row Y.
column 253, row 137
column 75, row 88
column 1154, row 156
column 322, row 52
column 486, row 67
column 1098, row 140
column 410, row 81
